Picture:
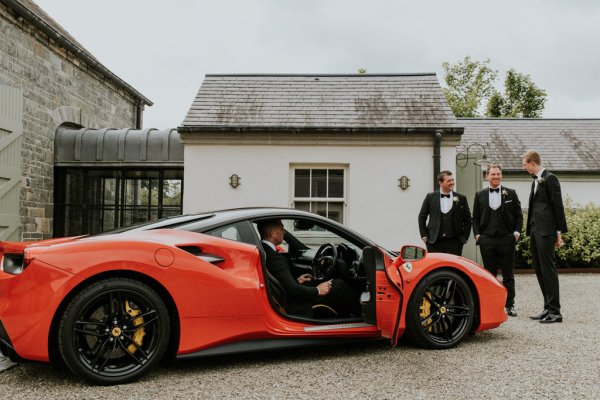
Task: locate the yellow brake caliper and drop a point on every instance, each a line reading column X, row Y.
column 425, row 311
column 138, row 334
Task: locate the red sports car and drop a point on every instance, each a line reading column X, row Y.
column 110, row 306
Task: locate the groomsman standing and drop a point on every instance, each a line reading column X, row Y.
column 497, row 224
column 445, row 218
column 545, row 224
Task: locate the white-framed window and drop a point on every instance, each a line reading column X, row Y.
column 321, row 190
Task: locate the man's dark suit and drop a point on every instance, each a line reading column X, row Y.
column 300, row 298
column 445, row 233
column 546, row 216
column 496, row 230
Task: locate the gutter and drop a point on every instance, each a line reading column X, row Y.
column 36, row 21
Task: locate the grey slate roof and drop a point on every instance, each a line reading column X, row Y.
column 34, row 14
column 565, row 145
column 319, row 101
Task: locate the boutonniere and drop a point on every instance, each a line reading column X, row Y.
column 455, row 199
column 504, row 192
column 540, row 180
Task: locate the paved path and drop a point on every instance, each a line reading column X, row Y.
column 520, row 360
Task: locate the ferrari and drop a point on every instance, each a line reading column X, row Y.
column 111, row 306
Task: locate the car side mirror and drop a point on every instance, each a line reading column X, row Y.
column 412, row 253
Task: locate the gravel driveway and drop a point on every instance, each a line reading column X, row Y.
column 522, row 359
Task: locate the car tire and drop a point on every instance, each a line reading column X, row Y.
column 441, row 311
column 113, row 331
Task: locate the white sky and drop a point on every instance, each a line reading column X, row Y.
column 164, row 48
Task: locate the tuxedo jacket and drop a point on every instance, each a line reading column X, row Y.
column 546, row 206
column 430, row 227
column 510, row 210
column 300, row 298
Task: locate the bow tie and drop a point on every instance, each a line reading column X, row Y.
column 497, row 190
column 442, row 195
column 534, row 176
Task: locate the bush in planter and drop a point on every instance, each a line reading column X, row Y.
column 582, row 241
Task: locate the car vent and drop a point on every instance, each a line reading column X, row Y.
column 197, row 251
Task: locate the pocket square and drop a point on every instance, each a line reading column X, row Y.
column 508, row 201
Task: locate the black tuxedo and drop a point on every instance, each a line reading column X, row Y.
column 301, row 298
column 445, row 233
column 546, row 216
column 496, row 230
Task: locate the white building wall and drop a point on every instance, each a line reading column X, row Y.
column 375, row 205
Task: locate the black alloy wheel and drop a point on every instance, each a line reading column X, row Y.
column 113, row 331
column 441, row 311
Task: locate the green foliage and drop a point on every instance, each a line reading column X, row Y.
column 469, row 83
column 582, row 241
column 521, row 99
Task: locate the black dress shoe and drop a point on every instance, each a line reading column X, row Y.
column 551, row 318
column 542, row 315
column 511, row 311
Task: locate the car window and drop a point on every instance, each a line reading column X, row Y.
column 239, row 232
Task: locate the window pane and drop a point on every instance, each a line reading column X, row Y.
column 336, row 183
column 172, row 192
column 320, row 208
column 302, row 205
column 302, row 183
column 319, row 183
column 336, row 212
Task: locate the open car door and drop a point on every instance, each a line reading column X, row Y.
column 385, row 289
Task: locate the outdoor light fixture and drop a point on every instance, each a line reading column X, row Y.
column 462, row 159
column 403, row 182
column 234, row 181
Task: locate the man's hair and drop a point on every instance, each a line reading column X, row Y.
column 532, row 156
column 489, row 167
column 264, row 227
column 442, row 175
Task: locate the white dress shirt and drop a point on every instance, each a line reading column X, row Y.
column 446, row 202
column 495, row 198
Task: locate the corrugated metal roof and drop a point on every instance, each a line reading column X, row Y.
column 565, row 145
column 117, row 147
column 368, row 101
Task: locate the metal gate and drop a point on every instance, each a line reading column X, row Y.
column 11, row 129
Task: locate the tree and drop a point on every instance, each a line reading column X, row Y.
column 469, row 83
column 522, row 98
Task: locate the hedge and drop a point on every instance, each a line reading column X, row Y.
column 582, row 241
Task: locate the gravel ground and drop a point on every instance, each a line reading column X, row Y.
column 522, row 359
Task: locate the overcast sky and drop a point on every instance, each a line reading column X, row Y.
column 164, row 48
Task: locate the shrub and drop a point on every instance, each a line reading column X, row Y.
column 582, row 241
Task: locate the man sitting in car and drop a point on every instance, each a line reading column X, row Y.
column 304, row 292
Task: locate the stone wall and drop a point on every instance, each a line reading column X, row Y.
column 57, row 88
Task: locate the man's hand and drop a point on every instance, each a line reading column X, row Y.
column 424, row 239
column 477, row 238
column 559, row 242
column 304, row 278
column 325, row 287
column 517, row 236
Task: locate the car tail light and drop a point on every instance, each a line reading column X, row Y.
column 13, row 263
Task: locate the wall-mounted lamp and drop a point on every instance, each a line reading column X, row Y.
column 234, row 181
column 403, row 182
column 462, row 159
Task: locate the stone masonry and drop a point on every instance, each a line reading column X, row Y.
column 57, row 88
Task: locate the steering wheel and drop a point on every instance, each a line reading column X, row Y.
column 325, row 261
